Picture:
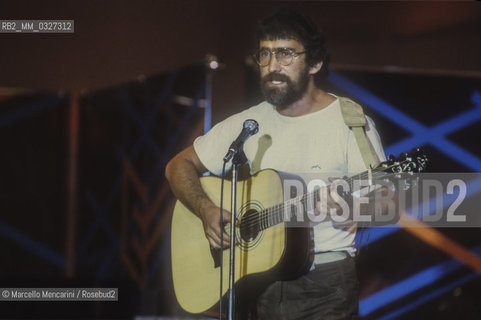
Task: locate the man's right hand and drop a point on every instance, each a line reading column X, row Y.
column 184, row 170
column 212, row 229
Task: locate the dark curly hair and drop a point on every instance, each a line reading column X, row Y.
column 288, row 24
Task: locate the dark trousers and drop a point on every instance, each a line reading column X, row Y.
column 330, row 291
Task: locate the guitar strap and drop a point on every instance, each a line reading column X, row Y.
column 355, row 119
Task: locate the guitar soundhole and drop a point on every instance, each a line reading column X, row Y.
column 249, row 227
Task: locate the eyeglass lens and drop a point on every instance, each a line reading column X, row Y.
column 283, row 56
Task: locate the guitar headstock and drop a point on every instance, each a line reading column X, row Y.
column 413, row 162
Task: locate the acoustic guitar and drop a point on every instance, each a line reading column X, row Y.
column 268, row 250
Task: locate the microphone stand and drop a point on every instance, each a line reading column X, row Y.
column 238, row 159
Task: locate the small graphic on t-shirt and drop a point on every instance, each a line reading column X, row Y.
column 316, row 167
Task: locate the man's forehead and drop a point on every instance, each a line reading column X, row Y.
column 280, row 43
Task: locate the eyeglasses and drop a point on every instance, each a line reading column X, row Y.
column 284, row 56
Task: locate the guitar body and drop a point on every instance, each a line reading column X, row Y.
column 268, row 250
column 274, row 253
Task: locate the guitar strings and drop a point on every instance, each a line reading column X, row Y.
column 267, row 217
column 271, row 216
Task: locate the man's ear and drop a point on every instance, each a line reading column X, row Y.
column 315, row 68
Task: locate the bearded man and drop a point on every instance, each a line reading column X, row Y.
column 301, row 130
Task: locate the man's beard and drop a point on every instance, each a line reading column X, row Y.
column 288, row 94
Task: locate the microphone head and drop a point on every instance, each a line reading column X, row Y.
column 251, row 125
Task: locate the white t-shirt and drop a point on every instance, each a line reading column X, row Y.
column 308, row 145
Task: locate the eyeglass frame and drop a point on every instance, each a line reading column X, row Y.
column 274, row 53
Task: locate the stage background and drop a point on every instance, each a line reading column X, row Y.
column 89, row 120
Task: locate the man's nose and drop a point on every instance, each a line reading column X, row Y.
column 274, row 65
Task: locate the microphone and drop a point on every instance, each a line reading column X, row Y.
column 249, row 128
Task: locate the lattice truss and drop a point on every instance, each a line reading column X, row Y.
column 127, row 135
column 418, row 135
column 131, row 214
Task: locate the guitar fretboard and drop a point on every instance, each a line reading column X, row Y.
column 287, row 210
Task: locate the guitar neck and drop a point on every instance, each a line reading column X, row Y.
column 283, row 212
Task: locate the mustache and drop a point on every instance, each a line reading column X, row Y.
column 275, row 77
